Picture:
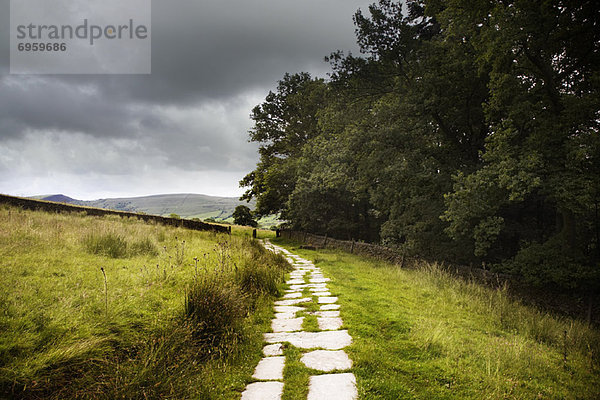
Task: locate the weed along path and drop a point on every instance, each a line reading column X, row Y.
column 307, row 325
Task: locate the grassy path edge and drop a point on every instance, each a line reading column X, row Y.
column 421, row 334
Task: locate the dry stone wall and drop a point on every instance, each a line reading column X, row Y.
column 49, row 206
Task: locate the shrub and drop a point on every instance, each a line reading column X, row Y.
column 108, row 244
column 215, row 307
column 259, row 279
column 261, row 272
column 550, row 263
column 116, row 246
column 144, row 247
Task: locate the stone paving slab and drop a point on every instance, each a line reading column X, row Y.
column 319, row 280
column 332, row 386
column 330, row 324
column 327, row 314
column 288, row 309
column 291, row 302
column 270, row 369
column 297, row 276
column 327, row 360
column 298, row 287
column 329, row 340
column 326, row 355
column 327, row 300
column 271, row 350
column 263, row 391
column 310, row 286
column 285, row 315
column 287, row 325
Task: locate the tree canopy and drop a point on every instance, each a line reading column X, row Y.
column 243, row 216
column 466, row 131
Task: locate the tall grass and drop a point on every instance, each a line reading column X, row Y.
column 256, row 277
column 508, row 314
column 216, row 310
column 113, row 245
column 218, row 302
column 421, row 333
column 58, row 341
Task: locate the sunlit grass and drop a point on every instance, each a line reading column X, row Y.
column 65, row 332
column 422, row 334
column 246, row 231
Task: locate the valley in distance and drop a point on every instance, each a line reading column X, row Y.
column 186, row 205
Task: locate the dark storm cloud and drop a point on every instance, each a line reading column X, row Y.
column 220, row 48
column 36, row 103
column 212, row 61
column 216, row 49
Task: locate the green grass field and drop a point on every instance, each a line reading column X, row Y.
column 96, row 308
column 66, row 332
column 422, row 334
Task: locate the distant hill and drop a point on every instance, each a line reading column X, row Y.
column 60, row 198
column 186, row 205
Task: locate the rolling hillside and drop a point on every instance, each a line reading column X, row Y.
column 185, row 205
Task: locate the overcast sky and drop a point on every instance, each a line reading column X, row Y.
column 182, row 129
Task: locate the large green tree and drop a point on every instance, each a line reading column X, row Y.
column 283, row 123
column 242, row 215
column 468, row 130
column 533, row 204
column 422, row 121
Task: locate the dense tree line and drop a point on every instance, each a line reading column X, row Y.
column 467, row 130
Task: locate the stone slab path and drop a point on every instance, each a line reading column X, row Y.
column 323, row 349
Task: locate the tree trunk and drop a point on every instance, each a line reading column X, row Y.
column 568, row 229
column 590, row 309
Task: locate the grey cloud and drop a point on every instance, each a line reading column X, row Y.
column 216, row 49
column 212, row 61
column 51, row 152
column 31, row 102
column 201, row 51
column 208, row 49
column 207, row 137
column 199, row 137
